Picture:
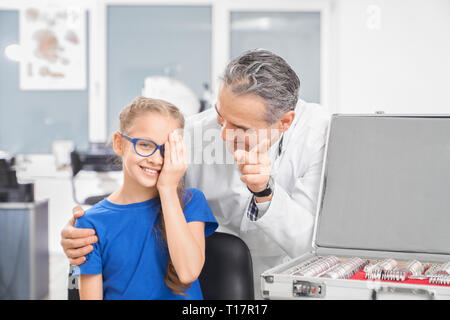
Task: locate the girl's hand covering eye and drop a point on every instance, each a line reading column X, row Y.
column 175, row 162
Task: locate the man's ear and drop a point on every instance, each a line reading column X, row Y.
column 118, row 144
column 286, row 120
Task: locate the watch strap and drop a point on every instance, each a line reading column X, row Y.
column 264, row 193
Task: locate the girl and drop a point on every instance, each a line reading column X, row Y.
column 151, row 231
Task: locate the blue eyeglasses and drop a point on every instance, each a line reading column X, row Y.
column 143, row 147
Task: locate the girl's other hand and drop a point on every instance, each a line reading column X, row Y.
column 175, row 162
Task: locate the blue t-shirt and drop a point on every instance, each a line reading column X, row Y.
column 131, row 253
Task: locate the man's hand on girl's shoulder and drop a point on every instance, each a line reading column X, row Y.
column 77, row 242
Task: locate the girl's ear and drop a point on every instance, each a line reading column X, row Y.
column 118, row 144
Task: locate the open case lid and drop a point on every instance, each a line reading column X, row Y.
column 386, row 184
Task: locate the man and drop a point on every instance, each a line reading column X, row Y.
column 267, row 195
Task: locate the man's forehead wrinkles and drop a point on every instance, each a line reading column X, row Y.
column 242, row 126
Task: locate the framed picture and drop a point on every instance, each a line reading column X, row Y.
column 53, row 42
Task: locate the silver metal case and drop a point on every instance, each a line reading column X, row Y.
column 384, row 194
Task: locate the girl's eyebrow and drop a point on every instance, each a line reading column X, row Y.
column 143, row 138
column 147, row 139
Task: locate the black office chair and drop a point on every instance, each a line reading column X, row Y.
column 228, row 270
column 226, row 275
column 72, row 286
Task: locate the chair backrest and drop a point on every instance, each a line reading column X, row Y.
column 228, row 270
column 226, row 275
column 72, row 288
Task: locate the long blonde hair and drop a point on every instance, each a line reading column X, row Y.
column 139, row 106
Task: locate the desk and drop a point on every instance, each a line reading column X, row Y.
column 57, row 188
column 24, row 257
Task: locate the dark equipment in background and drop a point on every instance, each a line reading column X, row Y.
column 10, row 189
column 226, row 275
column 99, row 158
column 24, row 264
column 205, row 100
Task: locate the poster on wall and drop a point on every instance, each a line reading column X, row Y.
column 53, row 43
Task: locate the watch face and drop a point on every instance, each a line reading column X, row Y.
column 266, row 192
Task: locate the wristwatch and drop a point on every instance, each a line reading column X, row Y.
column 266, row 192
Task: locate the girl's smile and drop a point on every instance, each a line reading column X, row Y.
column 151, row 172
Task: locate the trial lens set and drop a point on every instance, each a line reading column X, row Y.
column 387, row 269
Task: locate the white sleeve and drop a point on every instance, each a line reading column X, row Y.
column 262, row 207
column 289, row 219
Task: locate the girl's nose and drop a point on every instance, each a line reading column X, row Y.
column 156, row 158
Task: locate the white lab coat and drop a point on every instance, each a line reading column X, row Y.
column 285, row 230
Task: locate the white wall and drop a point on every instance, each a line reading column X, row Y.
column 401, row 65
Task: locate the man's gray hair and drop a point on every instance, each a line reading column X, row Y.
column 266, row 75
